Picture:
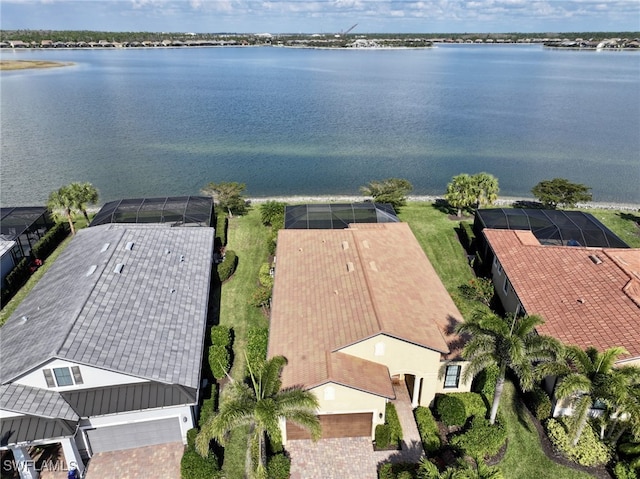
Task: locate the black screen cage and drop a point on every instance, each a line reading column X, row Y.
column 337, row 216
column 23, row 220
column 550, row 227
column 177, row 210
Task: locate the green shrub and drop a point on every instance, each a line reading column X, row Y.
column 451, row 409
column 221, row 336
column 478, row 289
column 428, row 428
column 391, row 418
column 260, row 297
column 208, row 408
column 219, row 361
column 481, row 438
column 485, row 383
column 622, row 470
column 191, row 437
column 386, row 471
column 50, row 241
column 194, row 466
column 18, row 276
column 589, row 451
column 383, row 436
column 264, row 275
column 474, row 404
column 279, row 467
column 405, row 475
column 272, row 241
column 271, row 212
column 257, row 342
column 467, row 237
column 228, row 266
column 539, row 403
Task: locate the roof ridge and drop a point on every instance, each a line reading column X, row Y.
column 365, row 274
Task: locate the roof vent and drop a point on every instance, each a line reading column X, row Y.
column 167, row 251
column 182, row 258
column 373, row 265
column 595, row 258
column 129, row 246
column 345, row 245
column 24, row 319
column 350, row 266
column 92, row 269
column 105, row 247
column 366, row 244
column 118, row 268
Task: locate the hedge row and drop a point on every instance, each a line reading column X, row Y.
column 467, row 237
column 428, row 428
column 589, row 451
column 391, row 418
column 481, row 438
column 220, row 351
column 257, row 341
column 50, row 241
column 18, row 276
column 228, row 265
column 455, row 408
column 193, row 465
column 208, row 408
column 398, row 471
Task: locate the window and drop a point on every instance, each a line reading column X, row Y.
column 452, row 376
column 505, row 288
column 63, row 376
column 498, row 265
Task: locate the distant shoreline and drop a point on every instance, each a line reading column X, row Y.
column 503, row 201
column 10, row 65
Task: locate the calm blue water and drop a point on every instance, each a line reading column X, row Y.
column 283, row 121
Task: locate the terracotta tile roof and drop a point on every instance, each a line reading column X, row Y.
column 587, row 296
column 334, row 288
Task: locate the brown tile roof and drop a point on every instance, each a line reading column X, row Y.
column 334, row 288
column 587, row 296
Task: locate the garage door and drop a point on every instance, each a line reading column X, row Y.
column 336, row 425
column 128, row 436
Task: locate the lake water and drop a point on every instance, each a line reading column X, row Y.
column 159, row 122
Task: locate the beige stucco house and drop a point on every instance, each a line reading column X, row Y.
column 355, row 310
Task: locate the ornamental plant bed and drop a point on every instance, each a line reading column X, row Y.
column 390, row 447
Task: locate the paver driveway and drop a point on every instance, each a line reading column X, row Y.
column 150, row 462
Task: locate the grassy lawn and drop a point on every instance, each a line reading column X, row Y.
column 622, row 223
column 524, row 458
column 247, row 237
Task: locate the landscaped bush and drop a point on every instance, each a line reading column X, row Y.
column 208, row 408
column 228, row 266
column 220, row 351
column 397, row 471
column 485, row 383
column 474, row 404
column 18, row 276
column 391, row 418
column 539, row 403
column 481, row 438
column 193, row 465
column 257, row 341
column 261, row 296
column 451, row 409
column 589, row 451
column 264, row 275
column 279, row 467
column 622, row 470
column 50, row 241
column 383, row 436
column 467, row 237
column 428, row 428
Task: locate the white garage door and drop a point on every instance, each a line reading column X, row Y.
column 128, row 436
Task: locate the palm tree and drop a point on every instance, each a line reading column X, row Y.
column 486, row 189
column 588, row 376
column 61, row 202
column 474, row 469
column 260, row 405
column 83, row 194
column 507, row 344
column 461, row 192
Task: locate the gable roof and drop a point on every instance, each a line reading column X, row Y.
column 36, row 402
column 126, row 298
column 587, row 296
column 334, row 288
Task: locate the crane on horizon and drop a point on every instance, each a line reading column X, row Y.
column 338, row 35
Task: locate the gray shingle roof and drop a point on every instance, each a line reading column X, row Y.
column 147, row 320
column 34, row 401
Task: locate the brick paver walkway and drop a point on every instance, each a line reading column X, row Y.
column 149, row 462
column 354, row 457
column 339, row 458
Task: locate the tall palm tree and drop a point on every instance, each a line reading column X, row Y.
column 83, row 194
column 588, row 376
column 260, row 405
column 461, row 192
column 61, row 202
column 510, row 343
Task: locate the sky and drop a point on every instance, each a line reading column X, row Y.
column 323, row 16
